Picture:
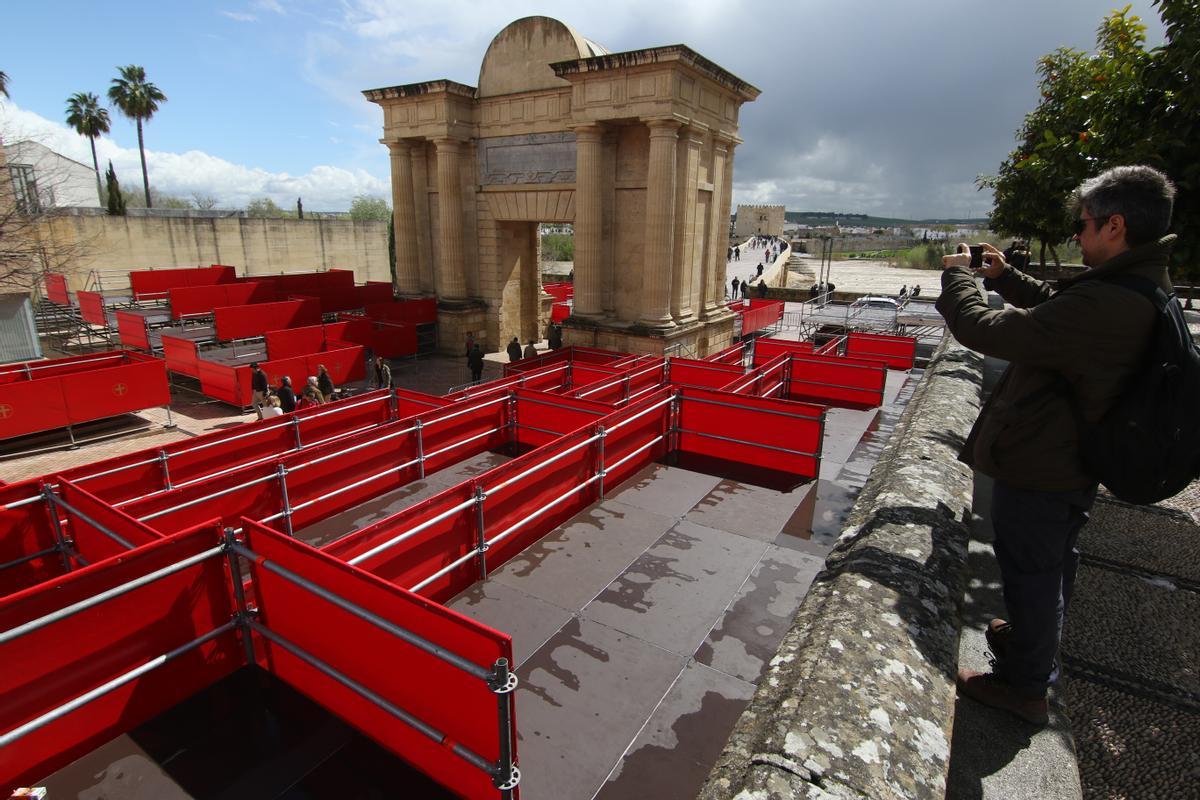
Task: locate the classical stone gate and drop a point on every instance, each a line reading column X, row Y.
column 635, row 149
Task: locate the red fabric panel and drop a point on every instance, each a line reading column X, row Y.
column 624, row 438
column 240, row 322
column 730, row 355
column 295, row 368
column 292, row 342
column 352, row 328
column 761, row 314
column 594, row 355
column 196, row 300
column 767, row 349
column 761, row 424
column 131, row 328
column 225, row 383
column 373, row 292
column 91, row 308
column 407, row 401
column 439, row 694
column 52, row 367
column 417, row 312
column 108, row 391
column 560, row 311
column 560, row 291
column 56, row 289
column 536, row 493
column 395, row 340
column 90, row 543
column 32, row 406
column 551, row 412
column 831, row 348
column 688, row 372
column 23, row 531
column 420, row 556
column 898, row 352
column 255, row 501
column 442, row 429
column 345, row 362
column 181, row 355
column 57, row 663
column 845, row 382
column 582, row 376
column 147, row 284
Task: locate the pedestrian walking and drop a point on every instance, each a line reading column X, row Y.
column 259, row 388
column 555, row 336
column 475, row 362
column 381, row 377
column 514, row 350
column 530, row 350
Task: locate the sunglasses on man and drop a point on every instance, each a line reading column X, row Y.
column 1080, row 225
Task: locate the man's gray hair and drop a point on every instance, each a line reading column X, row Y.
column 1142, row 195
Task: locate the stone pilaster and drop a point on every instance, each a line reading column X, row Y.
column 420, row 180
column 589, row 222
column 660, row 225
column 404, row 219
column 686, row 264
column 718, row 232
column 451, row 275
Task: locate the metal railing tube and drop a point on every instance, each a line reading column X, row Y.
column 37, row 498
column 116, row 683
column 281, row 471
column 166, row 469
column 354, row 448
column 417, row 641
column 413, row 722
column 340, row 407
column 481, row 545
column 239, row 595
column 468, row 440
column 540, row 402
column 296, row 430
column 541, row 510
column 706, row 401
column 54, row 500
column 467, row 410
column 600, row 434
column 116, row 591
column 390, row 543
column 542, row 464
column 453, row 565
column 748, row 444
column 114, row 470
column 505, row 775
column 642, row 413
column 421, row 449
column 23, row 559
column 647, row 390
column 355, row 485
column 213, row 496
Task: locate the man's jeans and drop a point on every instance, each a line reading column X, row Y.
column 1036, row 534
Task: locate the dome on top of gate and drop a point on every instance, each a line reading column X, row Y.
column 519, row 58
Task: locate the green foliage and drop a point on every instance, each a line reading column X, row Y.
column 116, row 201
column 139, row 100
column 1122, row 104
column 90, row 119
column 265, row 208
column 923, row 256
column 392, row 246
column 364, row 208
column 558, row 247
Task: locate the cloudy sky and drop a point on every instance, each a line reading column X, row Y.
column 875, row 107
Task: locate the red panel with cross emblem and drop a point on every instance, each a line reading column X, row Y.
column 141, row 383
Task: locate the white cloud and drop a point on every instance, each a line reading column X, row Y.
column 323, row 187
column 240, row 16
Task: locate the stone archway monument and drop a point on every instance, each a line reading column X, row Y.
column 635, row 149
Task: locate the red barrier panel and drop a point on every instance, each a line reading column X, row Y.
column 834, row 381
column 688, row 372
column 459, row 704
column 636, row 435
column 54, row 664
column 188, row 301
column 344, row 362
column 418, row 312
column 543, row 417
column 88, row 514
column 240, row 322
column 22, row 371
column 108, row 391
column 156, row 283
column 181, row 355
column 761, row 314
column 32, row 406
column 831, row 348
column 131, row 329
column 560, row 311
column 561, row 292
column 56, row 289
column 771, row 434
column 562, row 356
column 730, row 355
column 25, row 530
column 91, row 308
column 898, row 352
column 582, row 375
column 769, row 349
column 292, row 342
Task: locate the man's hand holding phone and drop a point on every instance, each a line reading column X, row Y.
column 982, row 257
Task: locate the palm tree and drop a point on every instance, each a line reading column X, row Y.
column 3, row 85
column 90, row 119
column 137, row 100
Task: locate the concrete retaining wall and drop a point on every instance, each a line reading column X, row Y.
column 859, row 700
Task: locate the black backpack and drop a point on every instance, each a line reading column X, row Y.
column 1147, row 447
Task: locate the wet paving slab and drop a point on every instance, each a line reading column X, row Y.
column 528, row 619
column 664, row 490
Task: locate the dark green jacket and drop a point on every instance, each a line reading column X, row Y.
column 1090, row 332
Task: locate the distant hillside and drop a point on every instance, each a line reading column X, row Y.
column 825, row 218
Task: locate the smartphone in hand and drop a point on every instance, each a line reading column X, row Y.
column 976, row 256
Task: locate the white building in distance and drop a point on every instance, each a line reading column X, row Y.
column 43, row 179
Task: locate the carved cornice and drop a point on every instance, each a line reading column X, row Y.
column 659, row 55
column 421, row 89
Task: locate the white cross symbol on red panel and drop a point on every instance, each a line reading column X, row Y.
column 119, row 389
column 5, row 411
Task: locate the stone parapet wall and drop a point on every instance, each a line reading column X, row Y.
column 859, row 700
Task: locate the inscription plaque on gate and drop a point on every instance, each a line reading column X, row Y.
column 535, row 158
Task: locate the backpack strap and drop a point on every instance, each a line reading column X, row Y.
column 1143, row 286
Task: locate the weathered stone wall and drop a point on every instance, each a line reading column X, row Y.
column 859, row 700
column 254, row 246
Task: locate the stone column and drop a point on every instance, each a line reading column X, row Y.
column 660, row 224
column 589, row 222
column 420, row 176
column 404, row 219
column 718, row 231
column 451, row 272
column 686, row 243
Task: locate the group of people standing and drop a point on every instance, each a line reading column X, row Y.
column 820, row 290
column 283, row 399
column 742, row 288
